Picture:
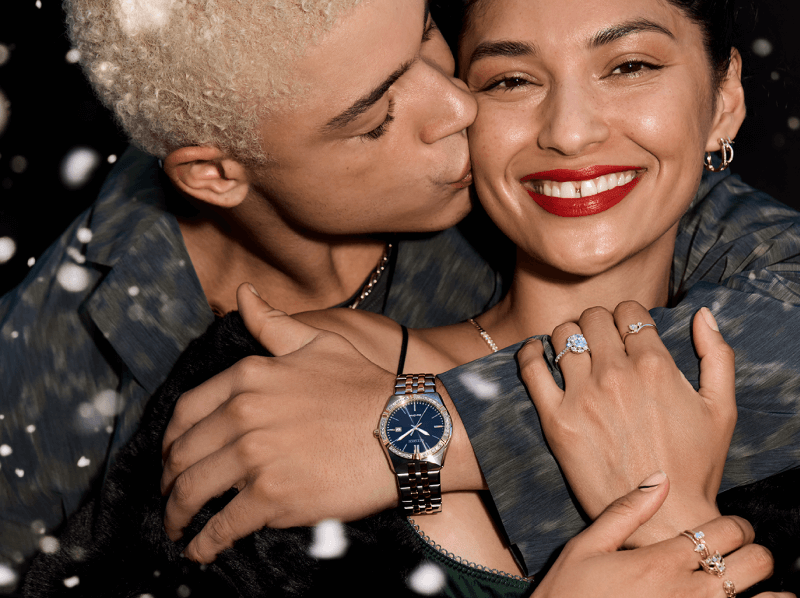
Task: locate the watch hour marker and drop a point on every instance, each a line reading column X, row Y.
column 438, row 426
column 399, row 429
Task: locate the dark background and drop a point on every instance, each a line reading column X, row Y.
column 50, row 111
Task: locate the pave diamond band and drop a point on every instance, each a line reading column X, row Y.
column 575, row 344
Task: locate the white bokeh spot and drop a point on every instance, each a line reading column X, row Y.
column 73, row 278
column 330, row 540
column 137, row 16
column 30, row 429
column 762, row 47
column 480, row 387
column 49, row 545
column 8, row 577
column 84, row 462
column 793, row 123
column 5, row 450
column 73, row 56
column 5, row 111
column 5, row 54
column 107, row 402
column 78, row 165
column 84, row 235
column 8, row 247
column 71, row 582
column 427, row 579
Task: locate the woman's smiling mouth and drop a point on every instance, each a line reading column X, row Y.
column 574, row 193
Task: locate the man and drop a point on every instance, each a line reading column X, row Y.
column 286, row 161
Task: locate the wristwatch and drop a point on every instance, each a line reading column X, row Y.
column 415, row 430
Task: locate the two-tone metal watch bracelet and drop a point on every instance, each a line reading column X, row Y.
column 418, row 481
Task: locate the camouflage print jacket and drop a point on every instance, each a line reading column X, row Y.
column 104, row 314
column 738, row 253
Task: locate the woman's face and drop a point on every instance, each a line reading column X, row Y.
column 593, row 118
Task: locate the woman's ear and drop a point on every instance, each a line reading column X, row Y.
column 207, row 175
column 730, row 110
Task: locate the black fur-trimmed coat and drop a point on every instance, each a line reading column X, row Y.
column 116, row 546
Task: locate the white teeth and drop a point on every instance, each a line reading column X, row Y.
column 587, row 188
column 568, row 190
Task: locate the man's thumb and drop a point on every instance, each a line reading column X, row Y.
column 277, row 332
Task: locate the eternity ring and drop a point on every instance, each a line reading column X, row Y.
column 714, row 564
column 698, row 539
column 730, row 589
column 635, row 328
column 575, row 344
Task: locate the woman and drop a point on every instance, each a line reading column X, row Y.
column 602, row 262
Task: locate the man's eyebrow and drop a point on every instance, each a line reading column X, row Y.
column 363, row 104
column 612, row 34
column 508, row 49
column 366, row 102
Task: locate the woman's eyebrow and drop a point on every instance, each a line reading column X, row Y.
column 507, row 49
column 612, row 34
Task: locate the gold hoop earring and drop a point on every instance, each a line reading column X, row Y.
column 726, row 149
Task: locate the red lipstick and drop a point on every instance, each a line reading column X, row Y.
column 581, row 206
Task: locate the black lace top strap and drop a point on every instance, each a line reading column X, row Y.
column 403, row 348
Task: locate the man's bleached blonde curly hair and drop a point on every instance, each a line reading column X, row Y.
column 178, row 73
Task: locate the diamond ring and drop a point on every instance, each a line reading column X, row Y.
column 575, row 344
column 698, row 538
column 635, row 328
column 714, row 564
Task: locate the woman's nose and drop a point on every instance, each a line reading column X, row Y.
column 572, row 120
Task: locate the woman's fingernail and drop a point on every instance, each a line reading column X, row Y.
column 709, row 318
column 653, row 481
column 253, row 290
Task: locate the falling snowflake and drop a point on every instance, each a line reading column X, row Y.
column 73, row 278
column 112, row 158
column 8, row 577
column 107, row 402
column 73, row 56
column 794, row 123
column 84, row 462
column 480, row 387
column 5, row 53
column 183, row 591
column 71, row 582
column 19, row 472
column 762, row 47
column 49, row 545
column 14, row 334
column 84, row 235
column 19, row 164
column 133, row 291
column 37, row 527
column 330, row 541
column 5, row 110
column 8, row 248
column 5, row 450
column 30, row 429
column 136, row 16
column 76, row 255
column 31, row 262
column 427, row 579
column 78, row 166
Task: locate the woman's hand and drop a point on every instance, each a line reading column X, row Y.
column 627, row 410
column 591, row 564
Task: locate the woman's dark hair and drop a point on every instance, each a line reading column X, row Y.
column 715, row 18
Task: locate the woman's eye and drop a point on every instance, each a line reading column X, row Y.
column 634, row 67
column 507, row 83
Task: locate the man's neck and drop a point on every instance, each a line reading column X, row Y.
column 292, row 271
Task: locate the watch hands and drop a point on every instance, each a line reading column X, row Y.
column 399, row 438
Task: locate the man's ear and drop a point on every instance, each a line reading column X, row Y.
column 730, row 110
column 205, row 173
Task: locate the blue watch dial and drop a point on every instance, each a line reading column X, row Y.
column 416, row 427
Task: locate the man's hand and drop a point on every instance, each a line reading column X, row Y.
column 293, row 433
column 626, row 410
column 591, row 564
